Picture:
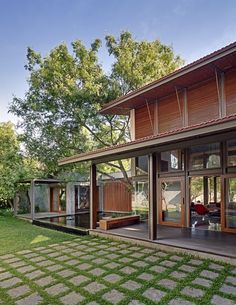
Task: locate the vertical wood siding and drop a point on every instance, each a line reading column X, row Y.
column 143, row 125
column 230, row 91
column 203, row 103
column 170, row 114
column 116, row 197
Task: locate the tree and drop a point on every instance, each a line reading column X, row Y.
column 138, row 63
column 13, row 166
column 59, row 112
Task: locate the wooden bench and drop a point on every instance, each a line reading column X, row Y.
column 111, row 223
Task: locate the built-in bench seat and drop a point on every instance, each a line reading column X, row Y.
column 111, row 223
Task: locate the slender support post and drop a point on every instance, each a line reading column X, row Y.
column 93, row 197
column 32, row 197
column 152, row 197
column 205, row 185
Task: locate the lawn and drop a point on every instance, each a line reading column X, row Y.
column 90, row 271
column 18, row 234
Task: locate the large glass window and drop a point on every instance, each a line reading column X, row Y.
column 205, row 206
column 204, row 156
column 171, row 201
column 230, row 206
column 171, row 161
column 142, row 165
column 231, row 153
column 140, row 204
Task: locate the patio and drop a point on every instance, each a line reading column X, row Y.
column 211, row 242
column 96, row 271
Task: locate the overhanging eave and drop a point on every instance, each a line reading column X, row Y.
column 144, row 146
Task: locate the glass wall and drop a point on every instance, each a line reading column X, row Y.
column 205, row 202
column 230, row 204
column 140, row 204
column 141, row 166
column 231, row 153
column 171, row 201
column 82, row 196
column 172, row 161
column 204, row 157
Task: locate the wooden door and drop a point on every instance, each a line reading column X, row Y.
column 171, row 201
column 228, row 206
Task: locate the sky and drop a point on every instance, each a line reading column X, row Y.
column 193, row 28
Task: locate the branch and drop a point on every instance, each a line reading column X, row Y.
column 122, row 131
column 95, row 136
column 103, row 173
column 113, row 165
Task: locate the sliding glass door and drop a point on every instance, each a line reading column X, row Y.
column 229, row 203
column 171, row 201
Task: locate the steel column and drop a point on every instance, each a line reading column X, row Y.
column 152, row 225
column 93, row 197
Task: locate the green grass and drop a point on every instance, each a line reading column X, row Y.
column 16, row 234
column 92, row 246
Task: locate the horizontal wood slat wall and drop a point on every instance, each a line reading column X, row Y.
column 230, row 91
column 169, row 116
column 116, row 197
column 203, row 103
column 143, row 125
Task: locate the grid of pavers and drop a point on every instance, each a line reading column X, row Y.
column 92, row 271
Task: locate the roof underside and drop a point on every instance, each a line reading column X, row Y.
column 198, row 71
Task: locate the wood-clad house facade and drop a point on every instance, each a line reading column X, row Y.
column 185, row 125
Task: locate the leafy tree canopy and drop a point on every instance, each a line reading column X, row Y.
column 12, row 164
column 59, row 112
column 139, row 62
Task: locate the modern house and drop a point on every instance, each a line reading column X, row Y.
column 47, row 197
column 183, row 143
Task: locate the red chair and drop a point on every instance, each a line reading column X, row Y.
column 200, row 209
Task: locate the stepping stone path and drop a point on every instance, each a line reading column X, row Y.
column 113, row 296
column 168, row 283
column 131, row 285
column 34, row 298
column 193, row 292
column 72, row 298
column 56, row 289
column 202, row 282
column 218, row 300
column 94, row 271
column 154, row 295
column 18, row 291
column 94, row 287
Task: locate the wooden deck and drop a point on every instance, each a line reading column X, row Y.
column 204, row 241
